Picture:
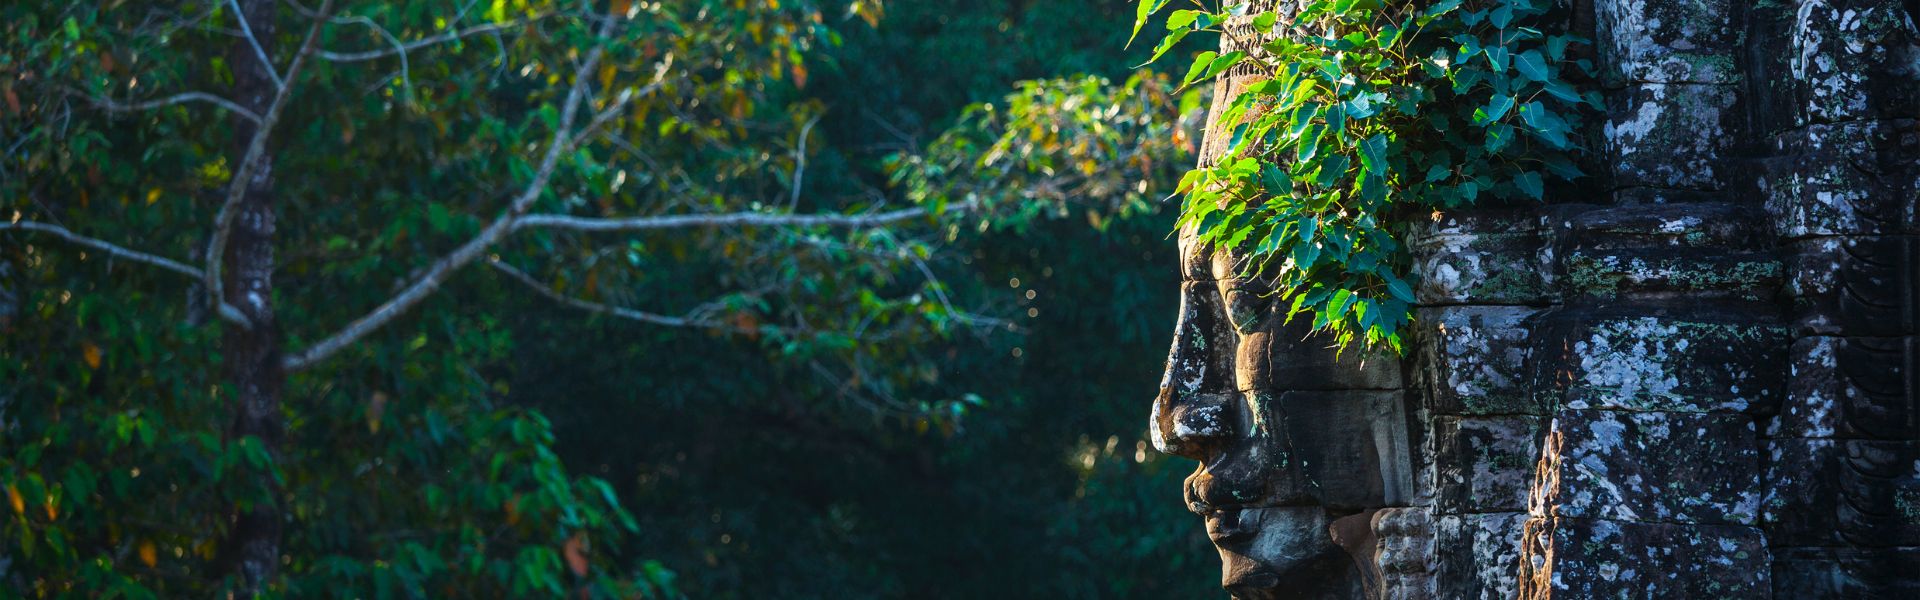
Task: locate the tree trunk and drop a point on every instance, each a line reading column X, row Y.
column 252, row 354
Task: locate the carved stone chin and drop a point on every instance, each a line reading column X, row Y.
column 1696, row 375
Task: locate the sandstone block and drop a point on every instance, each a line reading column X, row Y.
column 1666, row 466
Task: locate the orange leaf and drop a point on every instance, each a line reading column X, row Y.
column 513, row 509
column 149, row 555
column 13, row 497
column 576, row 552
column 91, row 354
column 799, row 75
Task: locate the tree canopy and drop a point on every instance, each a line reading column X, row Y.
column 462, row 298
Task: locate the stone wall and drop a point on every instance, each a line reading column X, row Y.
column 1696, row 374
column 1698, row 379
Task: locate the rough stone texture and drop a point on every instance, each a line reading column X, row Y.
column 1481, row 257
column 1649, row 467
column 1671, row 135
column 1471, row 360
column 1856, row 178
column 1484, row 464
column 1600, row 558
column 1405, row 554
column 1852, row 493
column 1646, row 359
column 1857, row 286
column 1846, row 573
column 1852, row 388
column 1479, row 555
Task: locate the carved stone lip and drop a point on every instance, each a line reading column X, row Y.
column 1253, row 584
column 1225, row 527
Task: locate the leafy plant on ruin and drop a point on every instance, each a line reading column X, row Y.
column 1370, row 115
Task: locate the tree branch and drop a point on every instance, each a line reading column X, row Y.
column 737, row 219
column 182, row 98
column 256, row 149
column 258, row 52
column 227, row 311
column 444, row 268
column 402, row 48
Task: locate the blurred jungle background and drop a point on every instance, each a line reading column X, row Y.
column 948, row 402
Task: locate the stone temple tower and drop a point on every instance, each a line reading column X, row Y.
column 1693, row 375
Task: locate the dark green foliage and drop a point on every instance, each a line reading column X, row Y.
column 841, row 413
column 1372, row 114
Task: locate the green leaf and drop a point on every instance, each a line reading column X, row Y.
column 1264, row 21
column 1373, row 154
column 1531, row 65
column 1145, row 11
column 1180, row 19
column 1529, row 183
column 1199, row 67
column 1400, row 290
column 1495, row 109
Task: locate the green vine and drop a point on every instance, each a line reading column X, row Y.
column 1371, row 114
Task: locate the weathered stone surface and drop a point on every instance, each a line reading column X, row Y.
column 1278, row 357
column 1855, row 178
column 1471, row 360
column 1846, row 59
column 1662, row 466
column 1855, row 493
column 1659, row 359
column 1846, row 573
column 1853, row 388
column 1479, row 557
column 1598, row 558
column 1481, row 257
column 1405, row 555
column 1668, row 42
column 1691, row 225
column 1671, row 135
column 1352, row 445
column 1857, row 286
column 1484, row 464
column 1699, row 275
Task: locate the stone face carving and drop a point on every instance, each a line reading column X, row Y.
column 1696, row 376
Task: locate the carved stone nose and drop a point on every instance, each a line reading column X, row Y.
column 1187, row 424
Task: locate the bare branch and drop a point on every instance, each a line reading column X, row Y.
column 227, row 311
column 258, row 52
column 738, row 219
column 256, row 149
column 182, row 98
column 406, row 80
column 444, row 268
column 800, row 163
column 402, row 49
column 624, row 313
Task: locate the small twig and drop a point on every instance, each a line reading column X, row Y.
column 800, row 163
column 624, row 313
column 738, row 219
column 258, row 52
column 406, row 79
column 403, row 48
column 181, row 98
